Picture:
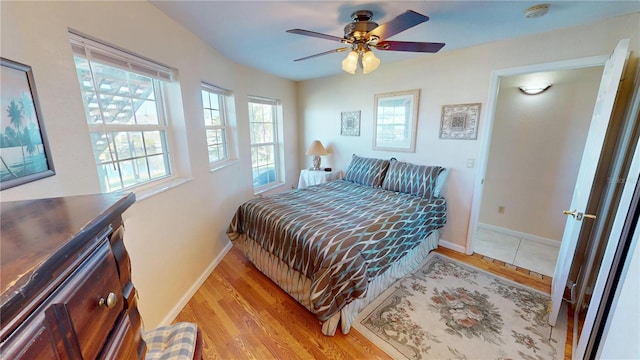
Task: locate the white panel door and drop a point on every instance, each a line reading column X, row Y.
column 588, row 165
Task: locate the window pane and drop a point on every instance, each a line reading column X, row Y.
column 253, row 132
column 108, row 80
column 215, row 101
column 141, row 87
column 145, row 112
column 214, row 121
column 142, row 170
column 115, row 99
column 127, row 170
column 158, row 166
column 122, row 145
column 91, row 107
column 215, row 118
column 263, row 163
column 216, row 145
column 262, row 128
column 268, row 133
column 109, row 177
column 207, row 117
column 101, row 150
column 214, row 137
column 393, row 126
column 154, row 142
column 124, row 116
column 206, row 103
column 216, row 153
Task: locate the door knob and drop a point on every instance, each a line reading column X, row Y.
column 578, row 215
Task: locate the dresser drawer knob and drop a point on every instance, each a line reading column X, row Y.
column 109, row 302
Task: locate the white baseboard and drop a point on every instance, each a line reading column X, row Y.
column 521, row 235
column 194, row 288
column 452, row 246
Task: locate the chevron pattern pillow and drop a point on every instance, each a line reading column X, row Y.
column 366, row 171
column 419, row 180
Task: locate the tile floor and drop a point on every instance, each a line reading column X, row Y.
column 527, row 254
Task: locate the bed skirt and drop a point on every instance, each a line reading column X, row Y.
column 298, row 285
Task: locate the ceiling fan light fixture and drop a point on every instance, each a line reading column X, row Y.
column 362, row 34
column 369, row 62
column 350, row 63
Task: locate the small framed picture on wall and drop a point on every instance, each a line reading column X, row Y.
column 460, row 121
column 350, row 123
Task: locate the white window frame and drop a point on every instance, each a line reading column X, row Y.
column 275, row 144
column 96, row 51
column 222, row 95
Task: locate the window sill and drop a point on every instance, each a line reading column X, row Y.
column 222, row 164
column 268, row 188
column 151, row 190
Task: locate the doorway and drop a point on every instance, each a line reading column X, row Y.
column 532, row 165
column 529, row 160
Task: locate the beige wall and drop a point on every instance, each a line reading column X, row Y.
column 173, row 237
column 536, row 147
column 449, row 77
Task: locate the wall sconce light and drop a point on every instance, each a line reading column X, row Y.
column 316, row 150
column 534, row 89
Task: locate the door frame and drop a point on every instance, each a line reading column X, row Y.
column 489, row 117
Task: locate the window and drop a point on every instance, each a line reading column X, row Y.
column 264, row 150
column 396, row 117
column 215, row 123
column 123, row 101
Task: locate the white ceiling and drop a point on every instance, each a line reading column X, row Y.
column 252, row 33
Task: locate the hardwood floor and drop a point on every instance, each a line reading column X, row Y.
column 243, row 315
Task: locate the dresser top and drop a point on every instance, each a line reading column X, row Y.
column 36, row 236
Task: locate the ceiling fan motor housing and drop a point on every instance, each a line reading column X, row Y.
column 361, row 25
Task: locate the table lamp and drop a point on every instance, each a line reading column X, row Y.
column 316, row 150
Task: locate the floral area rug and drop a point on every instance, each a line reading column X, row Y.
column 450, row 310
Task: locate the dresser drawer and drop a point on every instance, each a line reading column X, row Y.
column 31, row 342
column 122, row 343
column 76, row 319
column 86, row 299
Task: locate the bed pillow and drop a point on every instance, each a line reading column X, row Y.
column 442, row 177
column 366, row 171
column 419, row 180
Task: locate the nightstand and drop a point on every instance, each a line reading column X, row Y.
column 310, row 177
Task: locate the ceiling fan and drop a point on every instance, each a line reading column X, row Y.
column 362, row 35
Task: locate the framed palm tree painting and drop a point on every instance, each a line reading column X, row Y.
column 24, row 151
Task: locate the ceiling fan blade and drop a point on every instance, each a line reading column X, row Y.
column 429, row 47
column 399, row 24
column 318, row 35
column 324, row 53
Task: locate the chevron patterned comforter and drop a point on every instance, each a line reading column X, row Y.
column 339, row 234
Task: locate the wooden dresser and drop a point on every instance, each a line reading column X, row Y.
column 66, row 280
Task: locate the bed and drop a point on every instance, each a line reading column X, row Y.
column 334, row 247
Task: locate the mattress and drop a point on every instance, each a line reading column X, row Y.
column 339, row 236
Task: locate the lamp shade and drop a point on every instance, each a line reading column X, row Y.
column 369, row 62
column 316, row 149
column 350, row 63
